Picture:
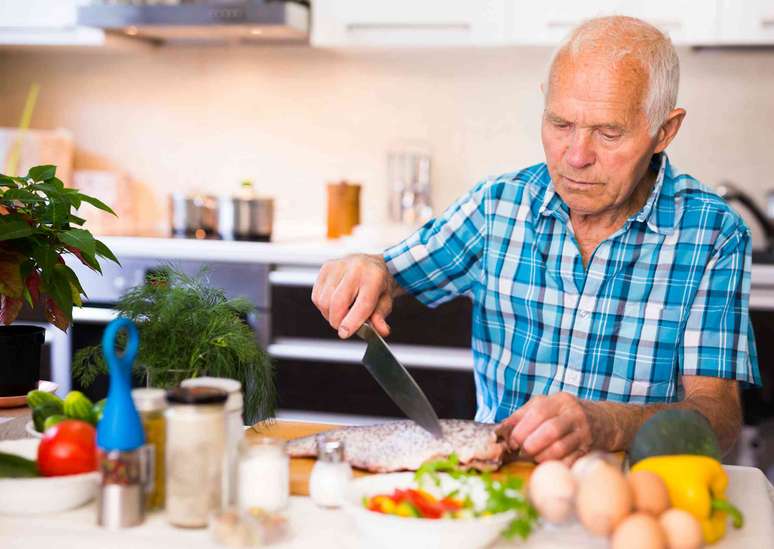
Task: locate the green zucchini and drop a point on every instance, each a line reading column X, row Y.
column 13, row 466
column 78, row 406
column 38, row 399
column 674, row 432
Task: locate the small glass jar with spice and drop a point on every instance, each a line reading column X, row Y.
column 264, row 474
column 195, row 452
column 150, row 404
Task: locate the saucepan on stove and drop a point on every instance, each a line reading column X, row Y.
column 194, row 216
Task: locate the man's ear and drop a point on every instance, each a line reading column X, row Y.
column 668, row 130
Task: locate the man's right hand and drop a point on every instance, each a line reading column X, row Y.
column 354, row 289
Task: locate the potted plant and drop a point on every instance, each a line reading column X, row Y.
column 189, row 329
column 37, row 228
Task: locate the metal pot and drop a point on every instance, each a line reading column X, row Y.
column 194, row 216
column 253, row 218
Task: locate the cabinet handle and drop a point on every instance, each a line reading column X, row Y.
column 359, row 27
column 566, row 24
column 767, row 22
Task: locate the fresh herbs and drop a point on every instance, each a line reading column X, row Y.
column 501, row 495
column 190, row 329
column 37, row 228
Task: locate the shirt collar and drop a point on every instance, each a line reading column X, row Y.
column 658, row 212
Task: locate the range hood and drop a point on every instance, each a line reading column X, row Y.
column 213, row 22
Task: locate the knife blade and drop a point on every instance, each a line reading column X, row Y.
column 397, row 382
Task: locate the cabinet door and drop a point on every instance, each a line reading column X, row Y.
column 547, row 23
column 41, row 14
column 748, row 22
column 408, row 23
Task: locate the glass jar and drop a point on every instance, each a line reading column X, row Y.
column 195, row 452
column 331, row 475
column 150, row 404
column 264, row 474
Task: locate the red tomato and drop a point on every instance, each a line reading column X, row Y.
column 68, row 448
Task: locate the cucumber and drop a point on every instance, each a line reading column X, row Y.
column 40, row 414
column 52, row 420
column 98, row 409
column 37, row 399
column 78, row 406
column 13, row 466
column 672, row 432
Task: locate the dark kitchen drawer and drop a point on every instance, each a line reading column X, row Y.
column 449, row 325
column 350, row 389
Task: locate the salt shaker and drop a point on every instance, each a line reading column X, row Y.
column 331, row 475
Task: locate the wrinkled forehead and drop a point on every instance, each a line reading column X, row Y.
column 598, row 78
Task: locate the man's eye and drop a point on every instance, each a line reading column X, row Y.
column 561, row 125
column 610, row 136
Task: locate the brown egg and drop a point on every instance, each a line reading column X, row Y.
column 603, row 500
column 639, row 531
column 681, row 528
column 649, row 492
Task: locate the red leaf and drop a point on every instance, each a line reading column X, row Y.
column 33, row 286
column 55, row 315
column 9, row 309
column 10, row 274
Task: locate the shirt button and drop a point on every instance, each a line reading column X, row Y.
column 584, row 313
column 572, row 377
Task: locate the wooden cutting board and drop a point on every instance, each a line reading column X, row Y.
column 301, row 468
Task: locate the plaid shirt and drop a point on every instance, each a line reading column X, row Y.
column 666, row 295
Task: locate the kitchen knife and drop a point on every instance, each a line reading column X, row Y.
column 397, row 382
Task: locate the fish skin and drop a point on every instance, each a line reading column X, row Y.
column 404, row 445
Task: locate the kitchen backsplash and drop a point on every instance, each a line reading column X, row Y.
column 294, row 118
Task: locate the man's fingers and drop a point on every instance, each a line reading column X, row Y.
column 561, row 448
column 342, row 298
column 378, row 319
column 548, row 433
column 537, row 410
column 362, row 309
column 325, row 286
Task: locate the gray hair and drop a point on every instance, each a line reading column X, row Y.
column 616, row 37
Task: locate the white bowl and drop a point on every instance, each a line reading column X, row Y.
column 25, row 496
column 30, row 428
column 390, row 531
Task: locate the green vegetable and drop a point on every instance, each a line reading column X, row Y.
column 98, row 409
column 52, row 420
column 78, row 406
column 13, row 466
column 36, row 399
column 673, row 432
column 40, row 414
column 504, row 495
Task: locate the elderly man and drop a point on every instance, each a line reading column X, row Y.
column 606, row 284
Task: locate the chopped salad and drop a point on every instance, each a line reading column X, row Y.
column 445, row 491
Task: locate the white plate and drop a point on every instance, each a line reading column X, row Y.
column 389, row 531
column 30, row 428
column 24, row 496
column 21, row 400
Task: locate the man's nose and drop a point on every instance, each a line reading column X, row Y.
column 580, row 153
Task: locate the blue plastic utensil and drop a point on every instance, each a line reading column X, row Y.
column 120, row 427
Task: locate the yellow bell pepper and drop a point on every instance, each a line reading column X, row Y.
column 696, row 484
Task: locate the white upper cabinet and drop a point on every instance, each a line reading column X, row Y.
column 748, row 22
column 411, row 23
column 45, row 23
column 688, row 22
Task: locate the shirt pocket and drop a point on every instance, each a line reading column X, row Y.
column 647, row 337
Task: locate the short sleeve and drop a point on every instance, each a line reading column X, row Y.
column 443, row 258
column 718, row 339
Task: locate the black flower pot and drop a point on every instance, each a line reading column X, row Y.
column 20, row 359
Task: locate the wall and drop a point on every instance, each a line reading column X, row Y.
column 293, row 118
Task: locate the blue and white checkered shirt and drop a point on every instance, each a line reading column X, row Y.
column 666, row 295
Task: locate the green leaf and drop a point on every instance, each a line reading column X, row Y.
column 80, row 239
column 59, row 289
column 42, row 173
column 97, row 203
column 14, row 228
column 74, row 219
column 6, row 181
column 104, row 251
column 74, row 197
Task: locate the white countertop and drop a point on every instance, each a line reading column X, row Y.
column 310, row 526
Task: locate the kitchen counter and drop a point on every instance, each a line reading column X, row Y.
column 310, row 526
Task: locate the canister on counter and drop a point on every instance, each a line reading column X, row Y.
column 264, row 474
column 235, row 430
column 196, row 442
column 343, row 208
column 151, row 403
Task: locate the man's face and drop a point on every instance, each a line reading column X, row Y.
column 595, row 134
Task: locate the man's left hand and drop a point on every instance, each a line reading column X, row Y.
column 557, row 426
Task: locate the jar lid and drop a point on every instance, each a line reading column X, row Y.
column 330, row 450
column 231, row 386
column 149, row 400
column 196, row 395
